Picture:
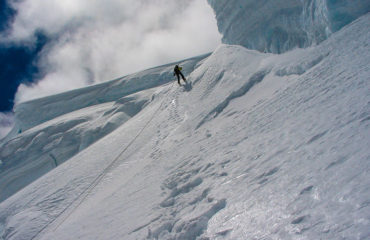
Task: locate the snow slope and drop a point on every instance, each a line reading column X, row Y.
column 280, row 25
column 259, row 146
column 53, row 129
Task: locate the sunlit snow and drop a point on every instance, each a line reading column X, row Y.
column 256, row 146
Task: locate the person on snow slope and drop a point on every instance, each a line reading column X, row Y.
column 178, row 73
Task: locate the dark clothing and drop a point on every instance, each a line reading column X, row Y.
column 178, row 77
column 178, row 73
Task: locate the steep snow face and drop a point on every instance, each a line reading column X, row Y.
column 257, row 146
column 277, row 26
column 51, row 130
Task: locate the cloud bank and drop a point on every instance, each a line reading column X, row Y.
column 94, row 40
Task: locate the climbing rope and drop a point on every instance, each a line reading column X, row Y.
column 85, row 193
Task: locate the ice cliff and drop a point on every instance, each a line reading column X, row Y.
column 277, row 26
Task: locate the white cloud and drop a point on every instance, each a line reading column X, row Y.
column 100, row 40
column 6, row 123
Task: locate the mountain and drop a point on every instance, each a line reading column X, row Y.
column 256, row 146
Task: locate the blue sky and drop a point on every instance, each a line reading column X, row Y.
column 16, row 62
column 48, row 47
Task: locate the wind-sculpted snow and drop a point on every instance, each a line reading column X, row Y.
column 280, row 25
column 42, row 148
column 257, row 146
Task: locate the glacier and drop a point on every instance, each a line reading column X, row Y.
column 278, row 26
column 257, row 146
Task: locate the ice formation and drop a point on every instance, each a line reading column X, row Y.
column 277, row 26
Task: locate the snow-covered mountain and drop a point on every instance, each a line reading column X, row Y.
column 256, row 146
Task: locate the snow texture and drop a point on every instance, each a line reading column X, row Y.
column 277, row 26
column 256, row 146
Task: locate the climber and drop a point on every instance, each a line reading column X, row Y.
column 177, row 72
